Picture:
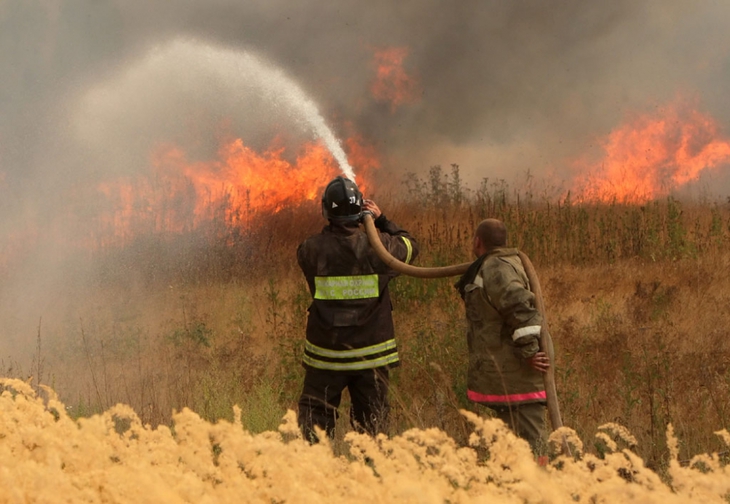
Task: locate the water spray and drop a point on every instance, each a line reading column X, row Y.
column 274, row 85
column 219, row 79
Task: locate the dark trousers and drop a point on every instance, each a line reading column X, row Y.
column 526, row 421
column 322, row 394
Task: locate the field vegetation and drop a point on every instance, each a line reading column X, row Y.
column 637, row 297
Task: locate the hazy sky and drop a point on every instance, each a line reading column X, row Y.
column 504, row 86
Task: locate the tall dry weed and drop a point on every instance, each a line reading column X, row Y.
column 45, row 455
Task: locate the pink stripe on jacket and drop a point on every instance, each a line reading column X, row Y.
column 509, row 398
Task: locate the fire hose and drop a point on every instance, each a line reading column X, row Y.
column 546, row 342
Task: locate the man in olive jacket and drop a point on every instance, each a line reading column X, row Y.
column 506, row 365
column 350, row 336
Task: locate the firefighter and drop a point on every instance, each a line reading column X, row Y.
column 506, row 365
column 350, row 341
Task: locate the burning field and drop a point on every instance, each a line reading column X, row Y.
column 178, row 373
column 653, row 155
column 158, row 170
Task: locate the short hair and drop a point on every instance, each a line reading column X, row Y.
column 492, row 233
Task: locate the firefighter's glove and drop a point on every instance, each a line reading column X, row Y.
column 381, row 221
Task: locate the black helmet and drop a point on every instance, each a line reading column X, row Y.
column 342, row 201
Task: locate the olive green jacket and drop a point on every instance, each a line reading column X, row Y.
column 503, row 330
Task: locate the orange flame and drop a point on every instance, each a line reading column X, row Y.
column 392, row 84
column 181, row 195
column 653, row 155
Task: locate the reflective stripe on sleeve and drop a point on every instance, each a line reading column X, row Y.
column 350, row 366
column 533, row 330
column 349, row 354
column 346, row 287
column 409, row 247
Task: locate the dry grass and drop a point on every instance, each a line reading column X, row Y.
column 637, row 299
column 47, row 456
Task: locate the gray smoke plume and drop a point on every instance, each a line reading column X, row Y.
column 505, row 86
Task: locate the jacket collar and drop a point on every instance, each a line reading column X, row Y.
column 340, row 228
column 474, row 267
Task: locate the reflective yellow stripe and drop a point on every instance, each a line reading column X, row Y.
column 350, row 366
column 410, row 249
column 348, row 354
column 346, row 287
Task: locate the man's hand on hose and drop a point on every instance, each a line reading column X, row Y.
column 539, row 362
column 370, row 206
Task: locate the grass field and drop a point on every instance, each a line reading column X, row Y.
column 637, row 298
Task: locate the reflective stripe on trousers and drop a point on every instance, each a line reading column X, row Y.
column 381, row 354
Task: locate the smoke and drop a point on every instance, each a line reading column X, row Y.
column 505, row 87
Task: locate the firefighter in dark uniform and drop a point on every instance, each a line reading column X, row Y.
column 350, row 338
